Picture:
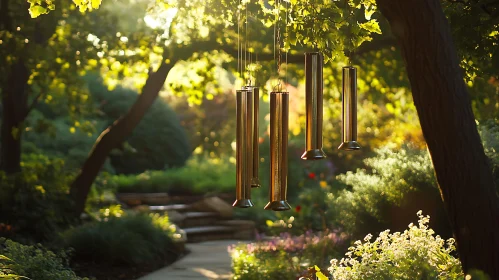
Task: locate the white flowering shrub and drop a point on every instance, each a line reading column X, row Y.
column 415, row 253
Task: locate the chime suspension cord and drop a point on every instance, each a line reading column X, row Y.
column 247, row 49
column 314, row 30
column 285, row 41
column 238, row 39
column 245, row 44
column 278, row 39
column 350, row 33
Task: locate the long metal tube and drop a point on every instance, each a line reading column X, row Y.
column 279, row 115
column 255, row 182
column 349, row 110
column 314, row 99
column 244, row 146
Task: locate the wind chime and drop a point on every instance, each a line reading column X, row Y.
column 247, row 152
column 313, row 106
column 349, row 102
column 279, row 124
column 247, row 106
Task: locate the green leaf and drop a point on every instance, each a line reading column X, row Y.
column 371, row 26
column 368, row 13
column 319, row 274
column 96, row 3
column 2, row 257
column 35, row 11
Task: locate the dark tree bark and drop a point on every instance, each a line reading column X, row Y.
column 444, row 109
column 14, row 103
column 15, row 106
column 15, row 88
column 114, row 135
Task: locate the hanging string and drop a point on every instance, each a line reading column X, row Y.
column 350, row 33
column 239, row 58
column 275, row 32
column 278, row 2
column 285, row 42
column 246, row 39
column 314, row 31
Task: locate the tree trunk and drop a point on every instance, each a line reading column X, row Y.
column 15, row 106
column 114, row 135
column 444, row 109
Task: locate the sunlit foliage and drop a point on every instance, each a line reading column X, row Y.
column 415, row 253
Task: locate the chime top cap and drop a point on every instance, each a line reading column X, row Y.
column 313, row 53
column 349, row 67
column 244, row 89
column 279, row 92
column 349, row 146
column 314, row 154
column 278, row 205
column 242, row 203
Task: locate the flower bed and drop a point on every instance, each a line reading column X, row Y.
column 284, row 257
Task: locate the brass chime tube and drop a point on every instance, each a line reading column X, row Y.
column 255, row 182
column 279, row 115
column 244, row 147
column 349, row 110
column 314, row 97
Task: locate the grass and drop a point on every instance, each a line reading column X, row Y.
column 198, row 176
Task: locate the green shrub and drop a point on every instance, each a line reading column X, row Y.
column 157, row 142
column 283, row 257
column 36, row 262
column 200, row 175
column 415, row 253
column 126, row 240
column 34, row 203
column 489, row 131
column 63, row 137
column 397, row 183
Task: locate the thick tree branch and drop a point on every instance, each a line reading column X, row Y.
column 115, row 134
column 33, row 104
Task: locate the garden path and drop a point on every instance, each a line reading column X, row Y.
column 206, row 260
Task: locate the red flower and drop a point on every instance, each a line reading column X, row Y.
column 311, row 175
column 298, row 208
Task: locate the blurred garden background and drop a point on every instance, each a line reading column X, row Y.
column 118, row 138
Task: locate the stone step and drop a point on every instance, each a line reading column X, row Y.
column 205, row 233
column 166, row 208
column 197, row 219
column 228, row 229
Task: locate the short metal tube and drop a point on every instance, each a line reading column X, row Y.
column 349, row 110
column 314, row 100
column 255, row 182
column 279, row 115
column 244, row 146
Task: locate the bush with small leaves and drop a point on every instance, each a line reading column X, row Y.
column 283, row 257
column 396, row 184
column 415, row 253
column 34, row 203
column 35, row 262
column 489, row 131
column 124, row 240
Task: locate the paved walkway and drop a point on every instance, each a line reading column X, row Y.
column 207, row 260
